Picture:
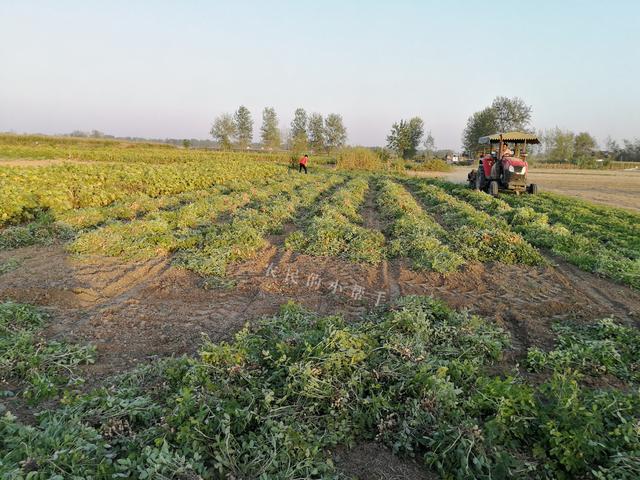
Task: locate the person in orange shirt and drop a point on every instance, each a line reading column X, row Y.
column 303, row 163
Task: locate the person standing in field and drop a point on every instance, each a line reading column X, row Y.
column 303, row 163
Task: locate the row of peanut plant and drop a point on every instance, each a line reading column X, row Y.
column 66, row 225
column 581, row 249
column 94, row 150
column 413, row 232
column 475, row 234
column 47, row 227
column 334, row 228
column 244, row 236
column 59, row 188
column 162, row 232
column 614, row 227
column 159, row 232
column 419, row 378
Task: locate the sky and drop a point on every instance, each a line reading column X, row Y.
column 167, row 69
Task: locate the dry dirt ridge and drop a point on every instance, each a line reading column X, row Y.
column 138, row 310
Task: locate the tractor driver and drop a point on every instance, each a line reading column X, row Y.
column 506, row 151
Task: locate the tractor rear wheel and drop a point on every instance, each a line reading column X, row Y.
column 533, row 189
column 493, row 188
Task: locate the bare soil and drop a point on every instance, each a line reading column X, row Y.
column 618, row 188
column 135, row 311
column 372, row 461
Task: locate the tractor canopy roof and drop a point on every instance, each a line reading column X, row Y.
column 512, row 137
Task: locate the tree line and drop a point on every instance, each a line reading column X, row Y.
column 557, row 145
column 582, row 149
column 564, row 146
column 513, row 114
column 629, row 151
column 307, row 131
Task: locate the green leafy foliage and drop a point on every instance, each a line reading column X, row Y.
column 40, row 367
column 414, row 233
column 60, row 188
column 244, row 236
column 613, row 227
column 405, row 137
column 602, row 348
column 39, row 147
column 9, row 265
column 43, row 230
column 273, row 402
column 112, row 432
column 581, row 430
column 183, row 224
column 475, row 234
column 598, row 239
column 159, row 231
column 334, row 230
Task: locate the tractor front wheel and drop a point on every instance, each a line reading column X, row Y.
column 493, row 188
column 533, row 189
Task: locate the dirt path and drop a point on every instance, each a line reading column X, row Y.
column 618, row 188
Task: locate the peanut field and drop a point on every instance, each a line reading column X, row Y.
column 175, row 313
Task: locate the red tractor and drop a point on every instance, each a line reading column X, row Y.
column 501, row 167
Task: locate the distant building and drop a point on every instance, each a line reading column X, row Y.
column 452, row 158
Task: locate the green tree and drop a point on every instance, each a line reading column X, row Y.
column 405, row 137
column 316, row 132
column 186, row 143
column 511, row 114
column 224, row 130
column 335, row 131
column 299, row 139
column 479, row 124
column 630, row 152
column 244, row 127
column 429, row 145
column 504, row 115
column 558, row 145
column 583, row 145
column 269, row 132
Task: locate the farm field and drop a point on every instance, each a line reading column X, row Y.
column 617, row 188
column 223, row 316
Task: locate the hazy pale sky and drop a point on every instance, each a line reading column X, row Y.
column 166, row 69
